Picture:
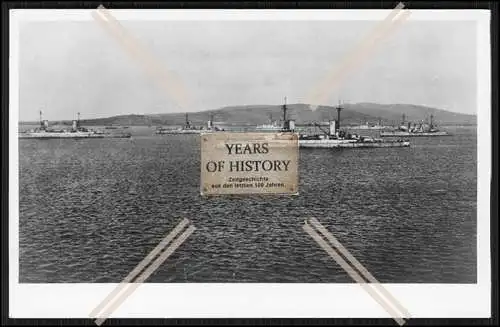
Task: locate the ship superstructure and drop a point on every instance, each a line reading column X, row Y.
column 75, row 131
column 409, row 129
column 189, row 128
column 273, row 126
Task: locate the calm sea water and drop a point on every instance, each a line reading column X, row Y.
column 92, row 209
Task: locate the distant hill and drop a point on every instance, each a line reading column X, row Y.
column 353, row 114
column 394, row 112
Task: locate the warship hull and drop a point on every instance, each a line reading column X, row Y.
column 351, row 144
column 170, row 132
column 417, row 134
column 70, row 135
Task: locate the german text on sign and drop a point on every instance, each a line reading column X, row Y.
column 249, row 163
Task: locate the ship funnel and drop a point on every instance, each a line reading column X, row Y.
column 332, row 127
column 289, row 126
column 339, row 109
column 46, row 124
column 74, row 125
column 209, row 124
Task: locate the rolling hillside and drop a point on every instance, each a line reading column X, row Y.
column 353, row 114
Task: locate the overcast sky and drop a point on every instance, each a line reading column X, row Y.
column 69, row 67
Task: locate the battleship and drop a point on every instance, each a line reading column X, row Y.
column 334, row 137
column 76, row 131
column 188, row 128
column 415, row 130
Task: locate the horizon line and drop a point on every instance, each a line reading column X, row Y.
column 241, row 107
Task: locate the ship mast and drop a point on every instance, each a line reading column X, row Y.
column 284, row 111
column 41, row 119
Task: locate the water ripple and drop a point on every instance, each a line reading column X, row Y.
column 90, row 210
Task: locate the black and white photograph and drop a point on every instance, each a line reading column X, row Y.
column 108, row 112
